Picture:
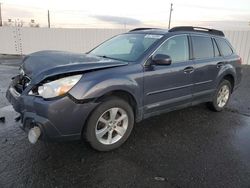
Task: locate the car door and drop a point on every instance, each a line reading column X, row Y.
column 169, row 86
column 207, row 62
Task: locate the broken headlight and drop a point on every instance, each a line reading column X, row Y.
column 57, row 87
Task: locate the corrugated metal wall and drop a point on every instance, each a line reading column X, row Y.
column 241, row 42
column 27, row 40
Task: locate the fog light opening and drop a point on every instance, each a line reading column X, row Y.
column 34, row 134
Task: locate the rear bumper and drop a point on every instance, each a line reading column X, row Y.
column 59, row 119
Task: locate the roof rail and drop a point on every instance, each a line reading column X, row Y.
column 198, row 29
column 141, row 28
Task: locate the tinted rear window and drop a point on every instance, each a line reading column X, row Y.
column 225, row 49
column 202, row 47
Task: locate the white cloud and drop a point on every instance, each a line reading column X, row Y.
column 79, row 13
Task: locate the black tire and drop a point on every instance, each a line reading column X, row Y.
column 213, row 105
column 106, row 104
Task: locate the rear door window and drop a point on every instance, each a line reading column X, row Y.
column 225, row 49
column 202, row 47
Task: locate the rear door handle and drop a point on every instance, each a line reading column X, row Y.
column 188, row 70
column 220, row 64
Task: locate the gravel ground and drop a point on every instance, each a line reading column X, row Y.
column 192, row 147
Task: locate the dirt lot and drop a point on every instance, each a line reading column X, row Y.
column 193, row 147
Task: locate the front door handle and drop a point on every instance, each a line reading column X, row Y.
column 189, row 70
column 220, row 64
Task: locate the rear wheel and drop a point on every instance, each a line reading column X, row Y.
column 110, row 124
column 221, row 96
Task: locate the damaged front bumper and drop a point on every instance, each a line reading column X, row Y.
column 58, row 119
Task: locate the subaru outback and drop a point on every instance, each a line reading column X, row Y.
column 142, row 73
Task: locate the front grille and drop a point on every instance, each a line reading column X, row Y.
column 21, row 82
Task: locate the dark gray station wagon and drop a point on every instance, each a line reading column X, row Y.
column 145, row 72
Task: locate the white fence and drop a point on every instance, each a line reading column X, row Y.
column 241, row 42
column 27, row 40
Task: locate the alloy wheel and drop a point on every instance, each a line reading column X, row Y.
column 223, row 96
column 111, row 126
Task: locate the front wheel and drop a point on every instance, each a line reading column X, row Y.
column 110, row 124
column 221, row 97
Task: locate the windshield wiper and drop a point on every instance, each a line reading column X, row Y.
column 106, row 57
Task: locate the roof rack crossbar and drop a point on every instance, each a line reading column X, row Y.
column 198, row 29
column 141, row 28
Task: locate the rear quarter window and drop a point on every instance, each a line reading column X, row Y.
column 225, row 49
column 202, row 47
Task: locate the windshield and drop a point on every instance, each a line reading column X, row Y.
column 126, row 47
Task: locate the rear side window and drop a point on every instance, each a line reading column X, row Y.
column 225, row 49
column 175, row 47
column 202, row 47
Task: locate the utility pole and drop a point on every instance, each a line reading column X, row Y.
column 1, row 21
column 170, row 14
column 48, row 20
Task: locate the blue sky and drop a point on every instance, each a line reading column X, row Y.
column 130, row 13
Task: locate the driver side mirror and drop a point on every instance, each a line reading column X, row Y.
column 161, row 59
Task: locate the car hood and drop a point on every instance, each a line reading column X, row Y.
column 41, row 65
